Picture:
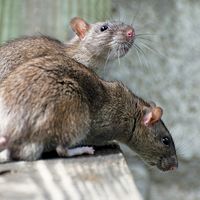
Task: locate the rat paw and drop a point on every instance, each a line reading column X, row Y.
column 80, row 151
column 4, row 156
column 65, row 152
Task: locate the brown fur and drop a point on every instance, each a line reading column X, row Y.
column 21, row 50
column 53, row 100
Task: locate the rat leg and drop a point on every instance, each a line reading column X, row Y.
column 4, row 151
column 29, row 152
column 65, row 152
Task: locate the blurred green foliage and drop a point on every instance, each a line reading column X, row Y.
column 51, row 17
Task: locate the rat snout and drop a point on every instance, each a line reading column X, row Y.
column 168, row 163
column 130, row 33
column 172, row 163
column 122, row 41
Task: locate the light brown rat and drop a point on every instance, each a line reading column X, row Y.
column 93, row 45
column 54, row 102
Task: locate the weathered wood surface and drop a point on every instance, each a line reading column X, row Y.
column 104, row 176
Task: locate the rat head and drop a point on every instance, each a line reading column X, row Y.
column 106, row 40
column 151, row 139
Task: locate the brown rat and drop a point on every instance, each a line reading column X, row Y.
column 54, row 102
column 93, row 45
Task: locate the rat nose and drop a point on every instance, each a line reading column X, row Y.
column 173, row 168
column 173, row 163
column 130, row 33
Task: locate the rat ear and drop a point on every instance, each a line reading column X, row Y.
column 151, row 116
column 79, row 26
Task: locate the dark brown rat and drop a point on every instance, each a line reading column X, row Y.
column 54, row 102
column 93, row 45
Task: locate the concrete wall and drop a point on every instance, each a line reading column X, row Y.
column 169, row 75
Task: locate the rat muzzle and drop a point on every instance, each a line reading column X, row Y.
column 168, row 163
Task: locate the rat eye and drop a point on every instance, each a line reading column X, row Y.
column 166, row 141
column 104, row 27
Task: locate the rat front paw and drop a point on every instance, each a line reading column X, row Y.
column 65, row 152
column 4, row 156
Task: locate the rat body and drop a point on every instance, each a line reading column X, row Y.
column 93, row 45
column 53, row 103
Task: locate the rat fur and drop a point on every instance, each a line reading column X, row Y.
column 53, row 103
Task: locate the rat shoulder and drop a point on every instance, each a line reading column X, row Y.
column 27, row 40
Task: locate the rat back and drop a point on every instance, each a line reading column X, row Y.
column 45, row 103
column 21, row 50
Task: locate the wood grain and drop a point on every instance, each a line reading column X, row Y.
column 100, row 177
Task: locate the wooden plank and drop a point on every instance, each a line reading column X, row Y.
column 100, row 177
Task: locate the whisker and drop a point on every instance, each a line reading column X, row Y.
column 105, row 65
column 136, row 14
column 142, row 52
column 138, row 54
column 147, row 46
column 146, row 34
column 118, row 56
column 108, row 56
column 143, row 38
